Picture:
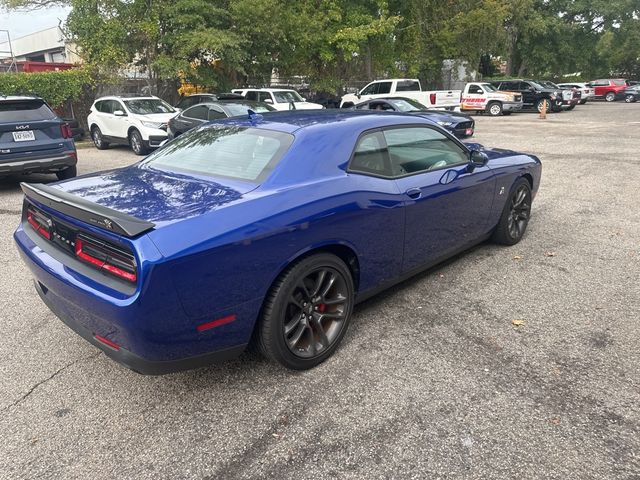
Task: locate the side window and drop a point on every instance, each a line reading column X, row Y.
column 199, row 112
column 523, row 86
column 475, row 89
column 188, row 102
column 118, row 106
column 384, row 87
column 381, row 106
column 371, row 89
column 99, row 106
column 252, row 95
column 109, row 106
column 370, row 156
column 263, row 96
column 215, row 114
column 419, row 149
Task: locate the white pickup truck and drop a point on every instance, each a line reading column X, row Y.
column 484, row 97
column 407, row 88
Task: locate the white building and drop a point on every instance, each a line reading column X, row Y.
column 48, row 46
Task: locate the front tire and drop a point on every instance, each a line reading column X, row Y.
column 610, row 97
column 307, row 312
column 494, row 109
column 541, row 104
column 67, row 173
column 515, row 214
column 98, row 139
column 630, row 98
column 570, row 107
column 137, row 144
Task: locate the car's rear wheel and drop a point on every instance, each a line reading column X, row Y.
column 610, row 97
column 571, row 107
column 582, row 102
column 98, row 139
column 137, row 144
column 494, row 109
column 515, row 214
column 540, row 106
column 67, row 173
column 307, row 312
column 629, row 98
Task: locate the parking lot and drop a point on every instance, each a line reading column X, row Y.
column 519, row 362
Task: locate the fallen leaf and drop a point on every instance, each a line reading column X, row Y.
column 555, row 421
column 549, row 254
column 517, row 257
column 517, row 323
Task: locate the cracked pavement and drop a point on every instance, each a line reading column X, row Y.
column 433, row 380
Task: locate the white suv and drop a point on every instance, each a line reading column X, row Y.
column 137, row 121
column 278, row 98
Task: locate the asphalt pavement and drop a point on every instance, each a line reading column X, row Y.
column 432, row 381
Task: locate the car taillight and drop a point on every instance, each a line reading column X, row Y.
column 39, row 222
column 66, row 131
column 106, row 257
column 432, row 98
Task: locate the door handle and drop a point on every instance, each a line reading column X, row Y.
column 414, row 193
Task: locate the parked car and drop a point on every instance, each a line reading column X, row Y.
column 34, row 139
column 632, row 93
column 191, row 100
column 459, row 124
column 140, row 122
column 405, row 88
column 484, row 97
column 609, row 89
column 586, row 92
column 278, row 98
column 205, row 112
column 267, row 228
column 570, row 96
column 533, row 94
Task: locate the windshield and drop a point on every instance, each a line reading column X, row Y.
column 488, row 87
column 24, row 111
column 406, row 104
column 287, row 96
column 224, row 151
column 238, row 109
column 619, row 82
column 148, row 106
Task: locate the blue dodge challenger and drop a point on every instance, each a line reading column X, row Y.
column 265, row 229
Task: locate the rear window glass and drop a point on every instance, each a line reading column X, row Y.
column 407, row 86
column 239, row 109
column 224, row 151
column 24, row 110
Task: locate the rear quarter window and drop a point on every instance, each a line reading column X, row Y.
column 24, row 110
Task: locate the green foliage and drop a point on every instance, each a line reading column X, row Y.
column 55, row 87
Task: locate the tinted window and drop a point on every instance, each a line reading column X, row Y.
column 370, row 156
column 407, row 86
column 287, row 96
column 264, row 96
column 147, row 106
column 384, row 87
column 381, row 106
column 252, row 95
column 523, row 86
column 215, row 114
column 24, row 110
column 418, row 149
column 406, row 105
column 99, row 106
column 226, row 151
column 370, row 89
column 199, row 112
column 620, row 83
column 475, row 89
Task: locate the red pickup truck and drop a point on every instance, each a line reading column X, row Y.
column 609, row 89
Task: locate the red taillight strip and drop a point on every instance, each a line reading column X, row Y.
column 119, row 272
column 102, row 264
column 36, row 225
column 107, row 342
column 216, row 323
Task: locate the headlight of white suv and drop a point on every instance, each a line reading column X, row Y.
column 445, row 124
column 152, row 124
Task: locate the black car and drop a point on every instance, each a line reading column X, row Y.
column 459, row 124
column 533, row 94
column 191, row 100
column 632, row 93
column 34, row 139
column 570, row 96
column 205, row 112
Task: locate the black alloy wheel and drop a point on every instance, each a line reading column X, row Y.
column 515, row 215
column 541, row 104
column 307, row 312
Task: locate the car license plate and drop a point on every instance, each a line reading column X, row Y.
column 469, row 131
column 25, row 136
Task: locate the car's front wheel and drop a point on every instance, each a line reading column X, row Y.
column 98, row 139
column 67, row 173
column 307, row 312
column 494, row 109
column 629, row 98
column 515, row 214
column 137, row 144
column 610, row 97
column 543, row 105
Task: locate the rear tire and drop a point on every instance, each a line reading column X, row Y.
column 570, row 107
column 610, row 96
column 307, row 312
column 494, row 109
column 582, row 102
column 98, row 139
column 137, row 144
column 515, row 214
column 629, row 98
column 67, row 173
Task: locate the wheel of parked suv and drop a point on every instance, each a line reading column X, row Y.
column 136, row 142
column 494, row 109
column 98, row 139
column 67, row 173
column 540, row 106
column 582, row 102
column 610, row 97
column 629, row 98
column 307, row 312
column 515, row 214
column 571, row 107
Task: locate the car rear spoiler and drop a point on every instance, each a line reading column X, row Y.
column 86, row 211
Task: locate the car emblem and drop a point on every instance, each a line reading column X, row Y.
column 108, row 223
column 22, row 127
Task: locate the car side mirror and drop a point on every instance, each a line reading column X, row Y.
column 477, row 159
column 304, row 99
column 358, row 95
column 119, row 113
column 269, row 101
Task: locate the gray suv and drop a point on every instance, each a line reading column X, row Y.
column 34, row 139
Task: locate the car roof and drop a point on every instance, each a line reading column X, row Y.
column 19, row 97
column 127, row 97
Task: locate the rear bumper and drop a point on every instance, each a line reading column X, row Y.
column 37, row 164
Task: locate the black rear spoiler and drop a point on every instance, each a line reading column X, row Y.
column 86, row 211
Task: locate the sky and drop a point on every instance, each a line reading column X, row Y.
column 24, row 23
